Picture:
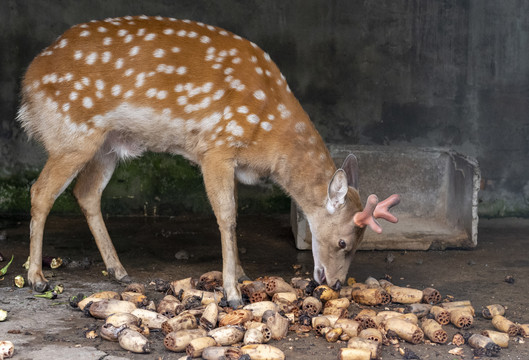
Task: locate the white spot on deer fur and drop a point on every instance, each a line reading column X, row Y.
column 210, row 28
column 312, row 140
column 223, row 53
column 162, row 94
column 228, row 71
column 107, row 41
column 209, row 122
column 218, row 94
column 102, row 29
column 105, row 57
column 268, row 73
column 78, row 54
column 99, row 94
column 205, row 39
column 267, row 57
column 253, row 59
column 87, row 102
column 175, row 49
column 151, row 92
column 119, row 63
column 158, row 53
column 78, row 86
column 100, row 84
column 259, row 95
column 233, row 51
column 128, row 38
column 65, row 107
column 181, row 70
column 85, row 81
column 168, row 69
column 129, row 72
column 91, row 58
column 192, row 34
column 252, row 118
column 149, row 37
column 134, row 51
column 209, row 57
column 68, row 76
column 179, row 88
column 219, row 142
column 140, row 79
column 122, row 32
column 168, row 31
column 259, row 70
column 237, row 37
column 158, row 17
column 283, row 111
column 219, row 59
column 182, row 100
column 223, row 33
column 235, row 83
column 128, row 94
column 84, row 33
column 190, row 108
column 300, row 127
column 181, row 33
column 234, row 129
column 63, row 43
column 140, row 32
column 116, row 90
column 242, row 110
column 271, row 117
column 211, row 50
column 216, row 66
column 207, row 87
column 236, row 60
column 266, row 126
column 73, row 95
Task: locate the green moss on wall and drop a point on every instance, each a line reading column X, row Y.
column 155, row 184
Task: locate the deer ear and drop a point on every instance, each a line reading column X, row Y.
column 337, row 191
column 350, row 166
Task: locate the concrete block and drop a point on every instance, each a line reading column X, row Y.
column 439, row 197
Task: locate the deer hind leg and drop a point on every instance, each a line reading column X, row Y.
column 59, row 171
column 219, row 180
column 88, row 189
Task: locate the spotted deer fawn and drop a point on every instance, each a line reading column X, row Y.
column 109, row 90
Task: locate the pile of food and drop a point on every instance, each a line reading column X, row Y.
column 195, row 318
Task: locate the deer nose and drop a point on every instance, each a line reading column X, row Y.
column 337, row 285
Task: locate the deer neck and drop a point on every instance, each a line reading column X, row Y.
column 305, row 167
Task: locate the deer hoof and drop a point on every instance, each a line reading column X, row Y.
column 244, row 278
column 235, row 303
column 125, row 280
column 40, row 286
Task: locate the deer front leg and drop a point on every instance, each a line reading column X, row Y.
column 219, row 179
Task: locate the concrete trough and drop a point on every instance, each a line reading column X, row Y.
column 439, row 197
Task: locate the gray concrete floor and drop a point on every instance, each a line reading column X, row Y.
column 43, row 329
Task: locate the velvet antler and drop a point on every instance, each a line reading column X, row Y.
column 382, row 208
column 375, row 210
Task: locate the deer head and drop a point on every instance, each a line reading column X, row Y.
column 338, row 229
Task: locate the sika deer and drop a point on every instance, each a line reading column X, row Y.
column 112, row 89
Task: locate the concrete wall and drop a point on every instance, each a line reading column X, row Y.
column 450, row 73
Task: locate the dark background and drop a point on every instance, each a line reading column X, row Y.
column 434, row 73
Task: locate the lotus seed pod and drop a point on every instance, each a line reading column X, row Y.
column 151, row 319
column 133, row 341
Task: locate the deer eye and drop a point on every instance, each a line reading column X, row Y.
column 342, row 244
